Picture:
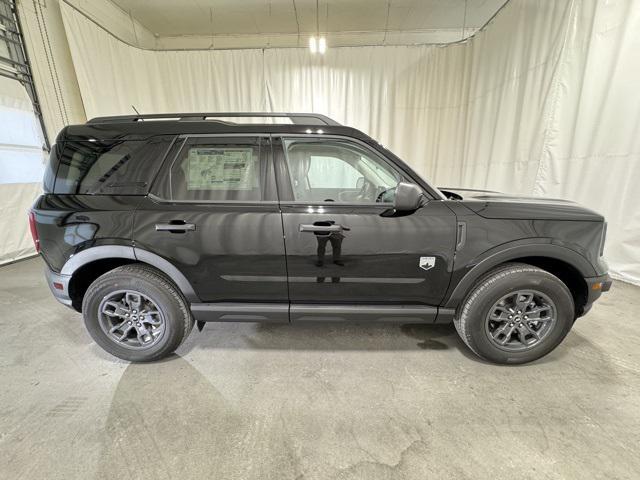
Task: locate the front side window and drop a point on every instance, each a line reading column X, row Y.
column 338, row 171
column 208, row 169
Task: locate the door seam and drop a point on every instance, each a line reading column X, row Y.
column 284, row 238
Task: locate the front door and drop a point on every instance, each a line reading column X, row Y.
column 213, row 214
column 349, row 255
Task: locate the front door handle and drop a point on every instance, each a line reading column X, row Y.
column 321, row 228
column 175, row 226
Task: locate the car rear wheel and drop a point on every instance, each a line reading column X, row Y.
column 135, row 313
column 515, row 314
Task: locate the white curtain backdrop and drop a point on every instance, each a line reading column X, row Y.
column 545, row 100
column 21, row 169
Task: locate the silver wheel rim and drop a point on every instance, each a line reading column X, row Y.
column 520, row 320
column 131, row 319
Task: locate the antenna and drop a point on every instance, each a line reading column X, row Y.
column 135, row 109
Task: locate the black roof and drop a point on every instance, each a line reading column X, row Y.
column 140, row 127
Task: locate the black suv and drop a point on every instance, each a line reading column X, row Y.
column 152, row 223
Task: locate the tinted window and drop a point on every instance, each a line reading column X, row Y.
column 339, row 171
column 49, row 177
column 123, row 167
column 218, row 169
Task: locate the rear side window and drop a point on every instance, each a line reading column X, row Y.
column 49, row 177
column 122, row 167
column 218, row 169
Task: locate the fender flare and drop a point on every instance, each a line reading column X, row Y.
column 506, row 253
column 131, row 253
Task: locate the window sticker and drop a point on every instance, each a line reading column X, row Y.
column 220, row 169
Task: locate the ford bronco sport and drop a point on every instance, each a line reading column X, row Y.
column 151, row 223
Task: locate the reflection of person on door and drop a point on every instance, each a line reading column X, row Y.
column 335, row 238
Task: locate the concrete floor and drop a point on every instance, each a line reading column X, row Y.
column 325, row 401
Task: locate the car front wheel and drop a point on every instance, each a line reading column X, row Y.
column 515, row 314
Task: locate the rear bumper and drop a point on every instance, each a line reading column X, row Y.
column 59, row 286
column 596, row 286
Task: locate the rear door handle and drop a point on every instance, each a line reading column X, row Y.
column 320, row 228
column 177, row 227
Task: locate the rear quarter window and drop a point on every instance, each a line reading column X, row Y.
column 121, row 167
column 49, row 177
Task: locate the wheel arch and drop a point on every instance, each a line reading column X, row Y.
column 84, row 267
column 566, row 264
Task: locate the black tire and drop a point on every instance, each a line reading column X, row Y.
column 147, row 281
column 472, row 322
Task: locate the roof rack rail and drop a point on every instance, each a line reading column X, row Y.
column 297, row 118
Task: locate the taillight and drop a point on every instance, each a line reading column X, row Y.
column 34, row 230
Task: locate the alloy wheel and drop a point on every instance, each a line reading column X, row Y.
column 131, row 319
column 520, row 320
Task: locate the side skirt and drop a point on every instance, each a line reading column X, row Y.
column 283, row 313
column 363, row 313
column 240, row 312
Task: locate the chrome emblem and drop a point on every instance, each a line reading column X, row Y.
column 427, row 263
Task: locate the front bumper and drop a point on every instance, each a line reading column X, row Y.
column 59, row 286
column 596, row 286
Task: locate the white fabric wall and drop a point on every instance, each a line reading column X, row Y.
column 51, row 64
column 21, row 155
column 544, row 100
column 21, row 169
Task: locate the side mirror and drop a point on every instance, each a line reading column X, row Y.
column 408, row 197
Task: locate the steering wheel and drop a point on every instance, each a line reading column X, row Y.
column 367, row 192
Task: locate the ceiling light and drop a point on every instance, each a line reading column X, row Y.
column 322, row 45
column 318, row 44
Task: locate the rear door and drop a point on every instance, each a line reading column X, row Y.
column 349, row 255
column 213, row 213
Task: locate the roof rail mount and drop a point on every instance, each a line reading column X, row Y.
column 296, row 118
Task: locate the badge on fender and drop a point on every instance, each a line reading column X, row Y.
column 427, row 263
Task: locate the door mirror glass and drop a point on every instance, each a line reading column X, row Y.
column 408, row 197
